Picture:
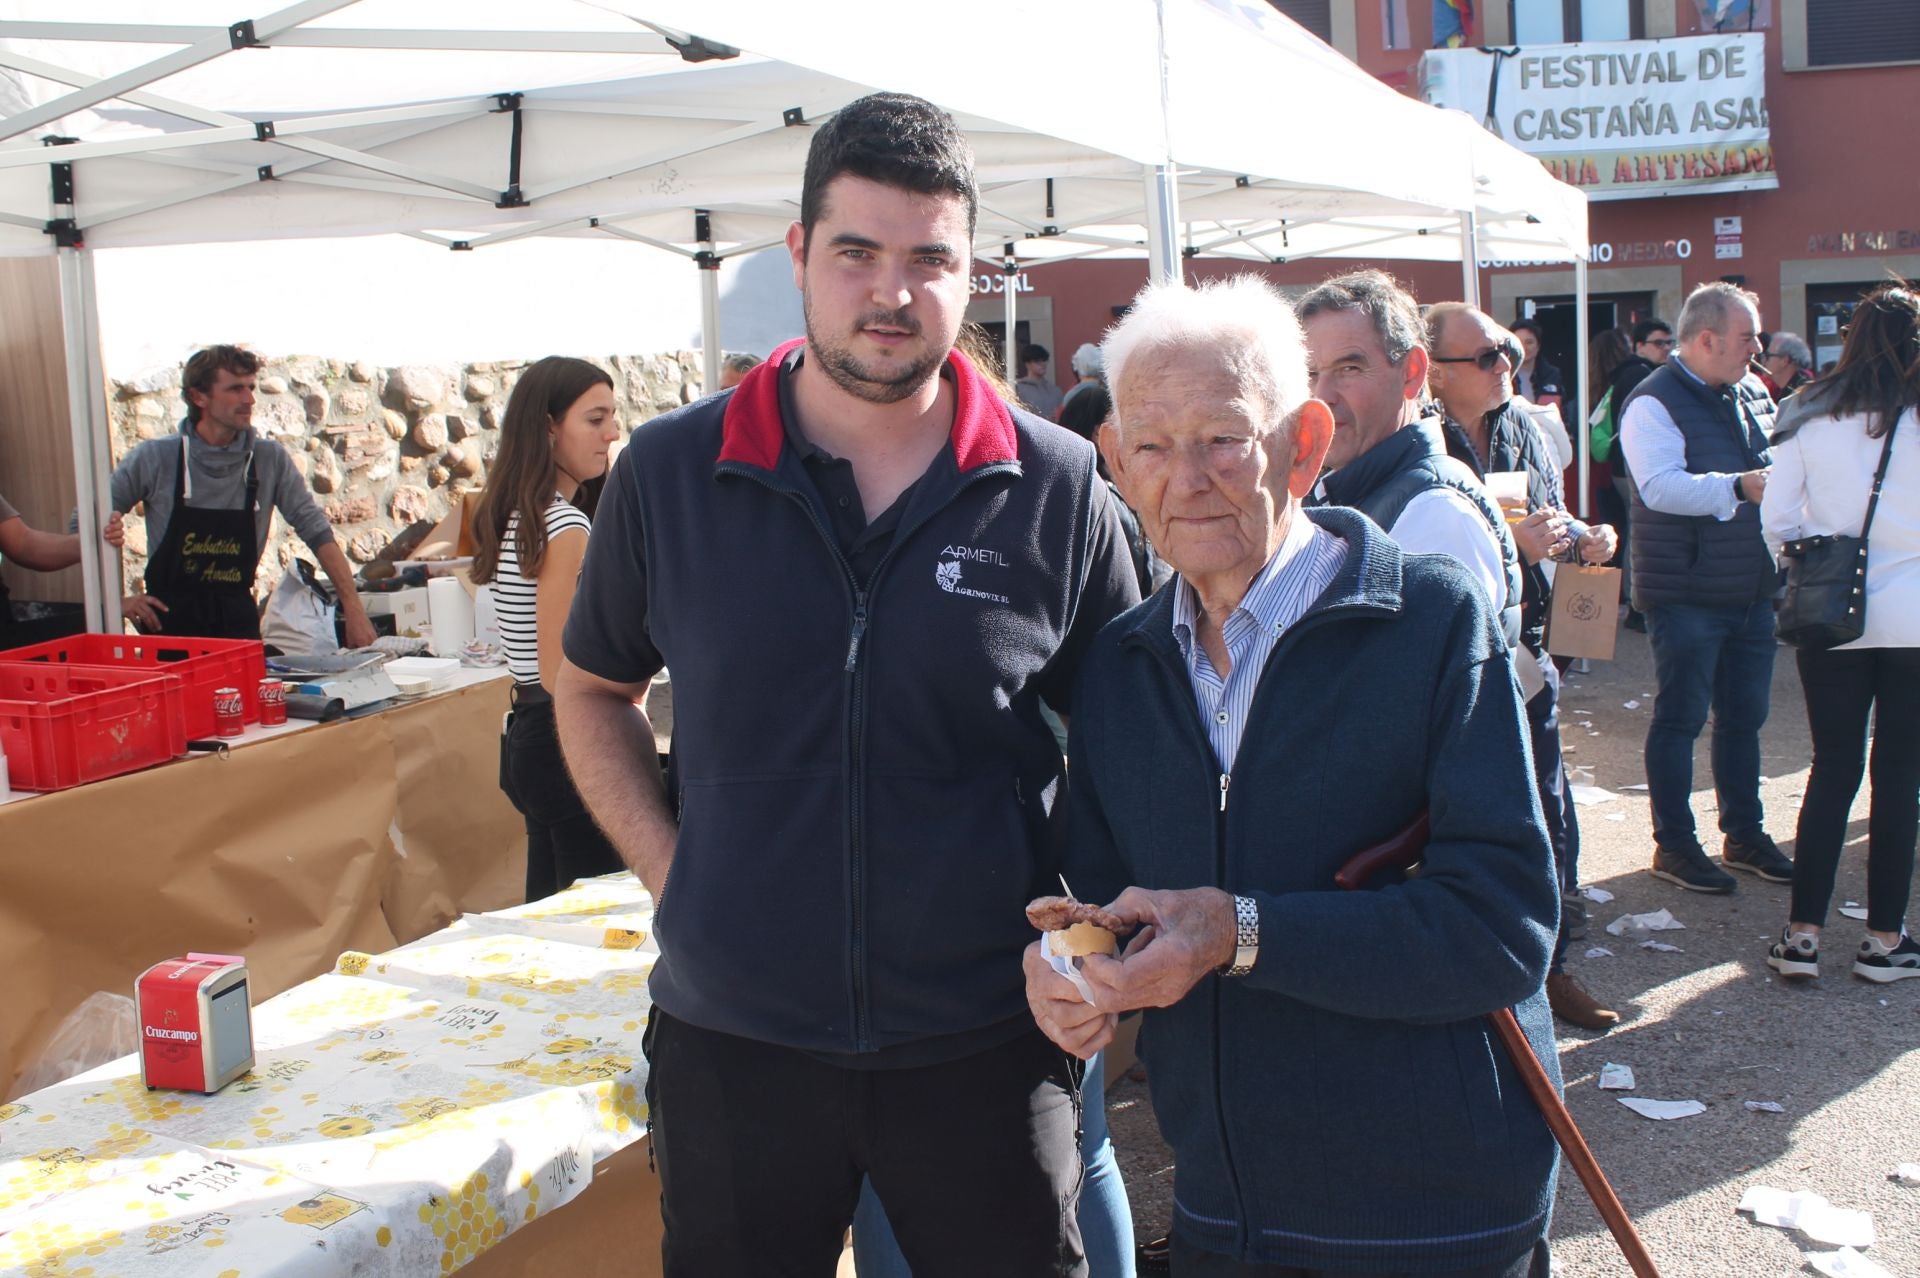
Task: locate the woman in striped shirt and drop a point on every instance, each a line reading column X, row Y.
column 530, row 536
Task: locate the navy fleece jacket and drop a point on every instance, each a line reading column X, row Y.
column 1344, row 1105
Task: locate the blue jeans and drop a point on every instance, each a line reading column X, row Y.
column 1106, row 1221
column 1708, row 658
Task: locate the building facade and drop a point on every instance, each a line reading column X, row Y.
column 1836, row 89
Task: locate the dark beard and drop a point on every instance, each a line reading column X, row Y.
column 858, row 379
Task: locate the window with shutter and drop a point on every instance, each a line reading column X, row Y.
column 1844, row 32
column 1315, row 15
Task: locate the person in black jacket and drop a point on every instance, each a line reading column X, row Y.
column 867, row 572
column 1652, row 343
column 1471, row 375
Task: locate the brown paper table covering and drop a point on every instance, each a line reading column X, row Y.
column 301, row 843
column 407, row 1112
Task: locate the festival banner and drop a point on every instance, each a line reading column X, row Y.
column 1625, row 119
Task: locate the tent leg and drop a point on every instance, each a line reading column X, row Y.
column 710, row 326
column 1011, row 273
column 1163, row 224
column 92, row 451
column 1470, row 258
column 1578, row 421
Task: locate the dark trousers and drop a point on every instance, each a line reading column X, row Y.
column 563, row 843
column 1192, row 1262
column 761, row 1150
column 1842, row 689
column 1556, row 799
column 1708, row 658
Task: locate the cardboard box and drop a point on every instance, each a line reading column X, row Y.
column 1583, row 616
column 452, row 537
column 408, row 608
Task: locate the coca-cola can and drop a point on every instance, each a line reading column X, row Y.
column 229, row 712
column 273, row 702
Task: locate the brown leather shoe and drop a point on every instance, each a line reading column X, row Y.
column 1575, row 1006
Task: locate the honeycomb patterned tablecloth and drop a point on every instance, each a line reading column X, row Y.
column 405, row 1112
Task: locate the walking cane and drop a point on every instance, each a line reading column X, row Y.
column 1402, row 852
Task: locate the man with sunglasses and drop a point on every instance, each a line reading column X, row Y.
column 1786, row 365
column 1471, row 374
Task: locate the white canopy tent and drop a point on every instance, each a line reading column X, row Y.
column 343, row 117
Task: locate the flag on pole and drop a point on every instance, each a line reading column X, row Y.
column 1452, row 23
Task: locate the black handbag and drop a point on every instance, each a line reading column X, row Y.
column 1825, row 601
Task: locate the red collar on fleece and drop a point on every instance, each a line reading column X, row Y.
column 752, row 432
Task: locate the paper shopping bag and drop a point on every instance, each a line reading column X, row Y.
column 1584, row 614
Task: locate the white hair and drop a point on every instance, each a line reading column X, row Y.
column 1086, row 360
column 1243, row 319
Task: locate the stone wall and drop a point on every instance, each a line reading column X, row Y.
column 381, row 447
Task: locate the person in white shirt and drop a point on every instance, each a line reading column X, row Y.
column 1829, row 444
column 530, row 537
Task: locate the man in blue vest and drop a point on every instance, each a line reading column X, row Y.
column 1695, row 436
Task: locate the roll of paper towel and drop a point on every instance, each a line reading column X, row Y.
column 451, row 610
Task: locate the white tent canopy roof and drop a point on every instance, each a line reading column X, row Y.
column 629, row 138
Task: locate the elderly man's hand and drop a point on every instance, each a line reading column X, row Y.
column 1062, row 1015
column 1541, row 535
column 1183, row 936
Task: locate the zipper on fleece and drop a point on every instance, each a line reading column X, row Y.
column 1219, row 1041
column 856, row 728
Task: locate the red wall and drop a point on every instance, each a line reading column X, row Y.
column 1846, row 151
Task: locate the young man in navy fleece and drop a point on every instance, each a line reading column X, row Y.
column 866, row 572
column 1319, row 1060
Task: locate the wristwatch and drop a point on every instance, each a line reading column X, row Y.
column 1246, row 937
column 1738, row 496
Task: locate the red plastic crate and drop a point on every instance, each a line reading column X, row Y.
column 66, row 725
column 202, row 665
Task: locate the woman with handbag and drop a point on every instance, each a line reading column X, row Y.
column 1846, row 457
column 530, row 536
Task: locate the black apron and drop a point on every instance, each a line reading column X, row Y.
column 203, row 570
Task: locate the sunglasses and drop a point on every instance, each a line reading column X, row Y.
column 1485, row 360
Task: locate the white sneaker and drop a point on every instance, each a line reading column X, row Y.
column 1877, row 962
column 1796, row 955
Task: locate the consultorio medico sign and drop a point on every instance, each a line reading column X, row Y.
column 1627, row 119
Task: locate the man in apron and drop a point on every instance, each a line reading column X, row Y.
column 210, row 494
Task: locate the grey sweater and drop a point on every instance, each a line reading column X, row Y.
column 217, row 480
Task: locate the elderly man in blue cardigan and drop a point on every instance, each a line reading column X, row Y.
column 1303, row 690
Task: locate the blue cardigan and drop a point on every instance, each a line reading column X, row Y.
column 1344, row 1105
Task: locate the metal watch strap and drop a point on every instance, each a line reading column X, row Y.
column 1246, row 936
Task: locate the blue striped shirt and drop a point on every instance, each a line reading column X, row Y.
column 1299, row 571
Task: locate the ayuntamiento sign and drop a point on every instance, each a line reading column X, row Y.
column 1622, row 119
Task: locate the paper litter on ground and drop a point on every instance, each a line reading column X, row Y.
column 1599, row 951
column 1616, row 816
column 1640, row 926
column 1907, row 1174
column 1616, row 1078
column 1637, row 786
column 1809, row 1213
column 1599, row 894
column 1854, row 910
column 1765, row 1107
column 1588, row 795
column 1846, row 1263
column 1631, row 705
column 1662, row 1109
column 1662, row 947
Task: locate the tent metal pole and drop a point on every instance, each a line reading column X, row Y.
column 1163, row 223
column 87, row 419
column 1010, row 272
column 710, row 326
column 1470, row 258
column 1583, row 443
